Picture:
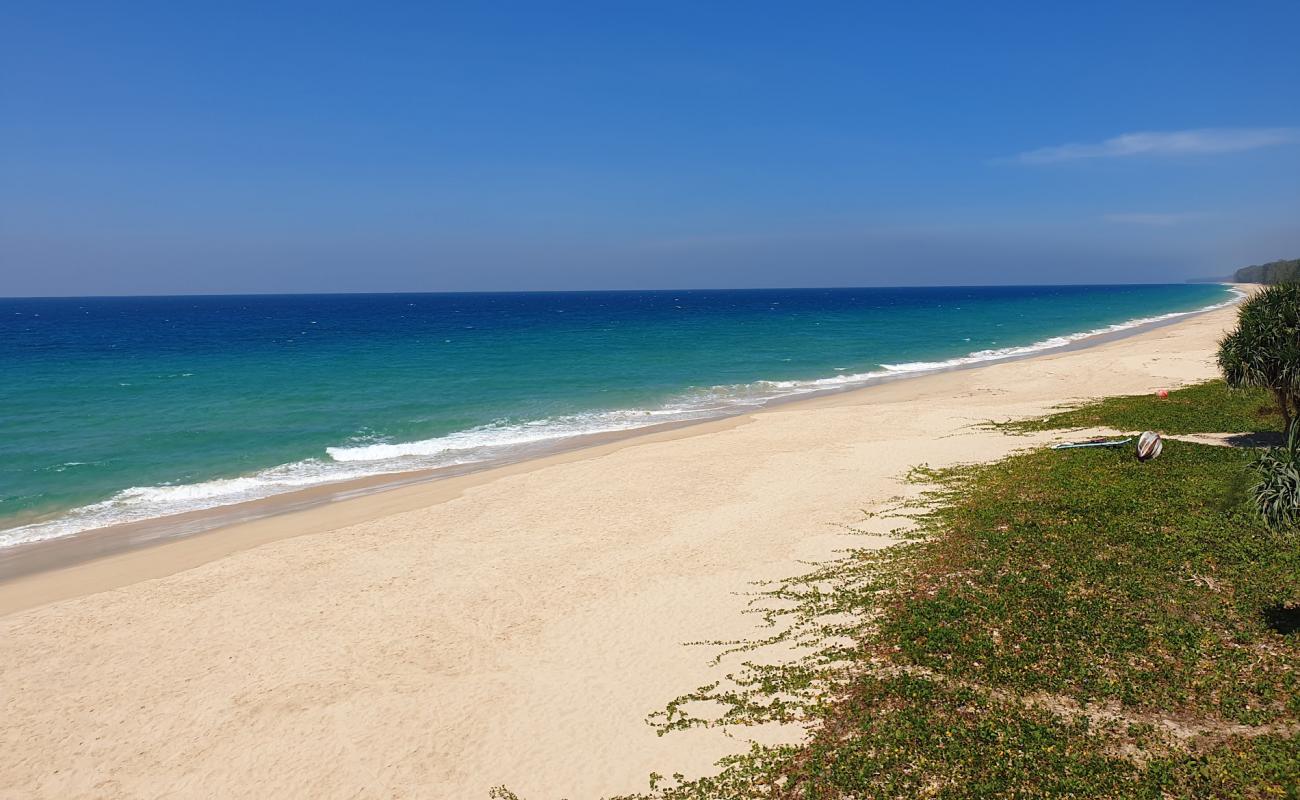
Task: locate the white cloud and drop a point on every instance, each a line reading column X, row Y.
column 1166, row 143
column 1161, row 219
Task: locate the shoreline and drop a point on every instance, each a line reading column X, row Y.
column 513, row 626
column 30, row 559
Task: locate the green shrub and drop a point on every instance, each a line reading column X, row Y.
column 1264, row 351
column 1277, row 490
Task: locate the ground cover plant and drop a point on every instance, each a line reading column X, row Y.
column 1209, row 407
column 1060, row 624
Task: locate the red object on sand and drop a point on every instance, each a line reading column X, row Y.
column 1163, row 394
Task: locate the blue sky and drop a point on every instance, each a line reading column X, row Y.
column 223, row 147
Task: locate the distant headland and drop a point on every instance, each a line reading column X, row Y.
column 1285, row 271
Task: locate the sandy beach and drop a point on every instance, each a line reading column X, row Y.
column 513, row 626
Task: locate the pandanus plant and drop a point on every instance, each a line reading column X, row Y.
column 1277, row 486
column 1264, row 350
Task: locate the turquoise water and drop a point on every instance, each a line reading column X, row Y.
column 122, row 409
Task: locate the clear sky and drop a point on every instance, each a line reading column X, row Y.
column 225, row 147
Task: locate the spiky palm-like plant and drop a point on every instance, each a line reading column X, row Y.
column 1264, row 350
column 1277, row 488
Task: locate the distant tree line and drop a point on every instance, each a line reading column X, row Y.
column 1272, row 272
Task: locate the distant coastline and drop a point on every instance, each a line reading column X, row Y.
column 1283, row 271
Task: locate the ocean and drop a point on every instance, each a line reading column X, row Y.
column 126, row 409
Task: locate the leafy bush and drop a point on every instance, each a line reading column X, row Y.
column 1277, row 492
column 1264, row 351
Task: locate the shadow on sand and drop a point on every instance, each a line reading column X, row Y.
column 1256, row 439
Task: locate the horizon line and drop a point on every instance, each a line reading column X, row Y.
column 1204, row 281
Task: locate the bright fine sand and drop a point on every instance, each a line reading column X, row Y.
column 512, row 627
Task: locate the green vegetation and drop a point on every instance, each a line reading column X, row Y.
column 1058, row 624
column 1264, row 350
column 1277, row 487
column 1272, row 272
column 1201, row 408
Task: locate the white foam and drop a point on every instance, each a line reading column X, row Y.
column 484, row 443
column 366, row 457
column 140, row 503
column 504, row 434
column 1054, row 342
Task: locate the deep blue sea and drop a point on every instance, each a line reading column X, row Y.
column 124, row 409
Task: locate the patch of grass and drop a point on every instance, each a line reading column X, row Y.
column 1087, row 573
column 1201, row 408
column 1067, row 624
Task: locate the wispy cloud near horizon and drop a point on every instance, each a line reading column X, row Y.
column 1201, row 141
column 1158, row 219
